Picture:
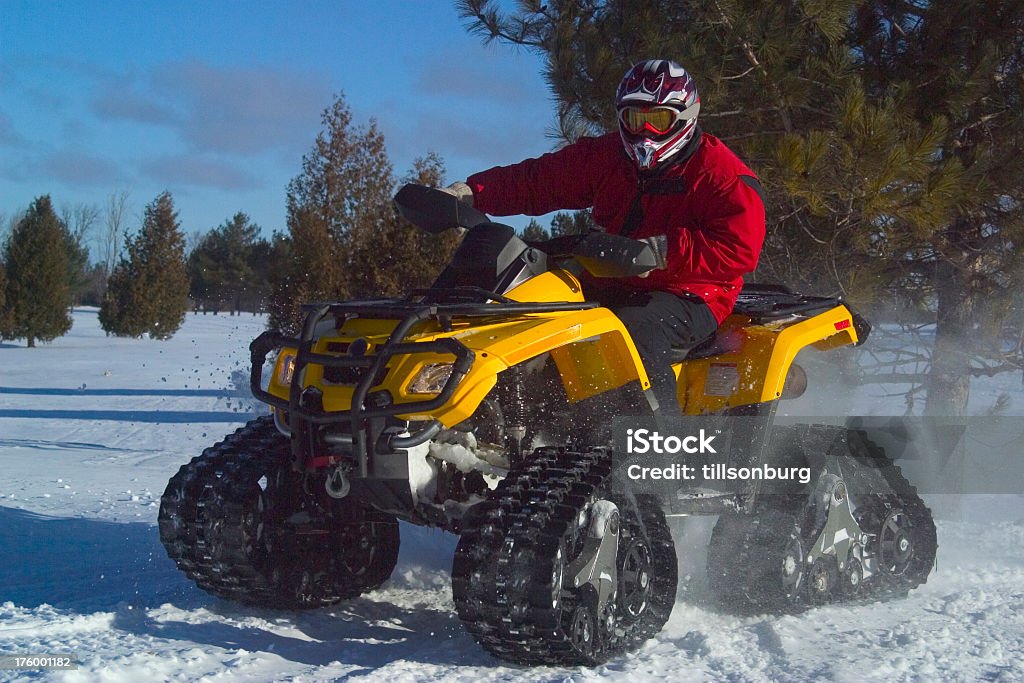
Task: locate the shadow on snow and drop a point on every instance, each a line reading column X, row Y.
column 150, row 416
column 47, row 391
column 87, row 565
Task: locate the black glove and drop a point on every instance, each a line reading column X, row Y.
column 659, row 245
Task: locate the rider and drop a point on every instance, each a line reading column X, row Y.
column 660, row 180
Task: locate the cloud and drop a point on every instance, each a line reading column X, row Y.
column 119, row 103
column 192, row 170
column 9, row 137
column 233, row 110
column 79, row 168
column 480, row 76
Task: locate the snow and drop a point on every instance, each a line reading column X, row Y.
column 92, row 427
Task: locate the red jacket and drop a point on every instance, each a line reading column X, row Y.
column 714, row 219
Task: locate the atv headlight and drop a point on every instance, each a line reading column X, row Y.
column 431, row 378
column 285, row 369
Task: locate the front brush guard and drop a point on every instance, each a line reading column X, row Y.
column 409, row 314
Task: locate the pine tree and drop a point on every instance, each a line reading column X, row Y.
column 223, row 266
column 347, row 183
column 396, row 256
column 778, row 85
column 535, row 232
column 38, row 293
column 961, row 60
column 4, row 313
column 575, row 223
column 342, row 190
column 78, row 221
column 345, row 239
column 148, row 290
column 310, row 272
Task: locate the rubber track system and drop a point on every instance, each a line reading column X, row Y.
column 509, row 567
column 751, row 557
column 236, row 521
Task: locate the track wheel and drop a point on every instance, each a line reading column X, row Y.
column 895, row 543
column 635, row 585
column 241, row 525
column 822, row 580
column 585, row 629
column 321, row 555
column 851, row 579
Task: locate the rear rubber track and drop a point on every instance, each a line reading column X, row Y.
column 748, row 554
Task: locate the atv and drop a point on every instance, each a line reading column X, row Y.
column 485, row 405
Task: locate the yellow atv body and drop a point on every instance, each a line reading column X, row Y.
column 747, row 363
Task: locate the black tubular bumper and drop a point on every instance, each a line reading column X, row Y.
column 408, row 314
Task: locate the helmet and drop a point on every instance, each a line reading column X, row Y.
column 657, row 104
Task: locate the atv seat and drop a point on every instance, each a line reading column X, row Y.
column 712, row 346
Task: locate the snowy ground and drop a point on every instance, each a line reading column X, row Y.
column 92, row 427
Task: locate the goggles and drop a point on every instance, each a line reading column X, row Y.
column 657, row 120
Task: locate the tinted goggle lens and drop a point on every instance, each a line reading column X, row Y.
column 658, row 120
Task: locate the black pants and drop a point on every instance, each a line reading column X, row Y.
column 658, row 322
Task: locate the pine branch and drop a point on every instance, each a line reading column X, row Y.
column 748, row 52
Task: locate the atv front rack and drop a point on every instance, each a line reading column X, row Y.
column 303, row 404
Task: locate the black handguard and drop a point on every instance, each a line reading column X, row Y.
column 603, row 254
column 434, row 210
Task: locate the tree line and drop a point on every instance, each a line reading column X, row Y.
column 343, row 239
column 887, row 135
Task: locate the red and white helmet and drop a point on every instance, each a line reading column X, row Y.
column 657, row 103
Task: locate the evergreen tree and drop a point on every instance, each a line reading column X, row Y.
column 148, row 290
column 222, row 267
column 780, row 86
column 535, row 232
column 78, row 221
column 339, row 197
column 78, row 263
column 962, row 60
column 575, row 223
column 397, row 256
column 38, row 294
column 345, row 239
column 347, row 182
column 4, row 313
column 307, row 269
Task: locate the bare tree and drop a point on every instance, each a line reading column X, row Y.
column 79, row 219
column 115, row 214
column 192, row 241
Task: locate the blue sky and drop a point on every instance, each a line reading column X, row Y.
column 218, row 101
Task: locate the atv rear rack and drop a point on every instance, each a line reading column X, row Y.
column 765, row 303
column 302, row 404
